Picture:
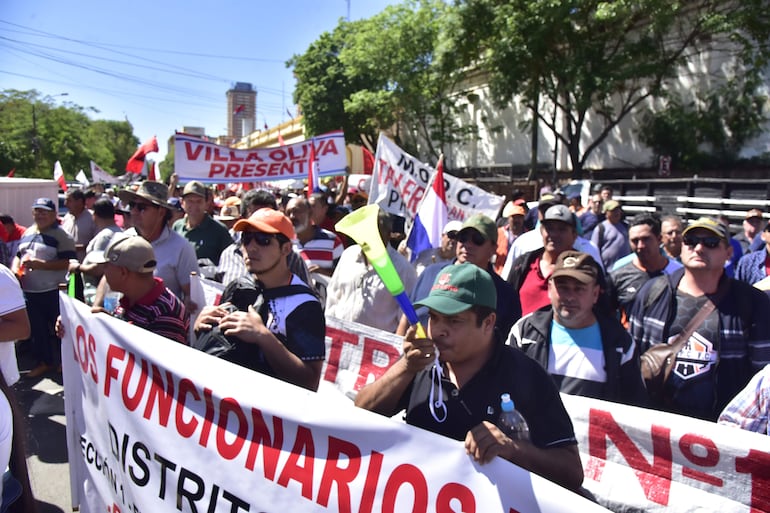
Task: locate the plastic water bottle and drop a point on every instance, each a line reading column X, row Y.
column 511, row 422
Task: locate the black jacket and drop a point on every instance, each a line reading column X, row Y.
column 624, row 380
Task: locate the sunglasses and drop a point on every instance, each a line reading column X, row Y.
column 262, row 239
column 471, row 236
column 710, row 242
column 141, row 207
column 452, row 234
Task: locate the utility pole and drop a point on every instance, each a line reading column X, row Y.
column 35, row 138
column 35, row 141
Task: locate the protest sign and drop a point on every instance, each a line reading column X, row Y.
column 131, row 395
column 399, row 181
column 198, row 159
column 634, row 459
column 646, row 460
column 153, row 425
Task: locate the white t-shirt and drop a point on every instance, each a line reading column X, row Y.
column 11, row 300
column 6, row 435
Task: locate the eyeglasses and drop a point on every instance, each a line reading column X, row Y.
column 710, row 242
column 471, row 236
column 671, row 233
column 262, row 239
column 452, row 234
column 141, row 207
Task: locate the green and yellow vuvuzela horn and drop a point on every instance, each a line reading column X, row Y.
column 361, row 226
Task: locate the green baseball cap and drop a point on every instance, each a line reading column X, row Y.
column 459, row 287
column 482, row 224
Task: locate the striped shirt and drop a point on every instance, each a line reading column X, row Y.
column 159, row 311
column 750, row 409
column 323, row 250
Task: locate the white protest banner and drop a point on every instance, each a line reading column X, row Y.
column 399, row 181
column 645, row 460
column 99, row 175
column 634, row 459
column 203, row 292
column 356, row 355
column 197, row 159
column 153, row 425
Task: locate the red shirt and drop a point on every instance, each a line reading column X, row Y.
column 533, row 292
column 16, row 233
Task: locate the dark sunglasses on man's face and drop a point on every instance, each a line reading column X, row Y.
column 141, row 207
column 710, row 241
column 452, row 234
column 262, row 239
column 471, row 236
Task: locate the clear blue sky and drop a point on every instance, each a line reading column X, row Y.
column 164, row 65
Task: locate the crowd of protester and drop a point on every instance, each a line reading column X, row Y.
column 567, row 295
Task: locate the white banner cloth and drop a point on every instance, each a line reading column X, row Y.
column 99, row 175
column 153, row 425
column 399, row 181
column 634, row 459
column 196, row 159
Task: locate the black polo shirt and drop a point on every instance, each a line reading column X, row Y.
column 507, row 371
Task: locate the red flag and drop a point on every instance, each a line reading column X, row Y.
column 136, row 162
column 312, row 171
column 58, row 175
column 152, row 172
column 368, row 161
column 280, row 139
column 11, row 172
column 240, row 108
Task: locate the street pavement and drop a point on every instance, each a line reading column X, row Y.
column 43, row 400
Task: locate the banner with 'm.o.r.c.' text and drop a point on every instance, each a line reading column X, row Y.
column 399, row 181
column 198, row 159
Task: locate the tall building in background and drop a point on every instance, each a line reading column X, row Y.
column 241, row 110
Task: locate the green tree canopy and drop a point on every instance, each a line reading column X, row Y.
column 381, row 74
column 578, row 58
column 35, row 133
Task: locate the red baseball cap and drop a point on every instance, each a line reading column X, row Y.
column 267, row 220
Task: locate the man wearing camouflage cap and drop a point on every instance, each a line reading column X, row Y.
column 725, row 350
column 150, row 212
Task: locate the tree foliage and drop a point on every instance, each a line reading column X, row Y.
column 575, row 59
column 35, row 133
column 381, row 73
column 708, row 131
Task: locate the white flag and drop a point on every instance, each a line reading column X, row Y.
column 58, row 175
column 82, row 178
column 99, row 175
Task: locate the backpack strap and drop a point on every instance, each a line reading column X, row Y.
column 287, row 290
column 659, row 284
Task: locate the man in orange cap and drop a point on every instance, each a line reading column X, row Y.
column 282, row 334
column 514, row 226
